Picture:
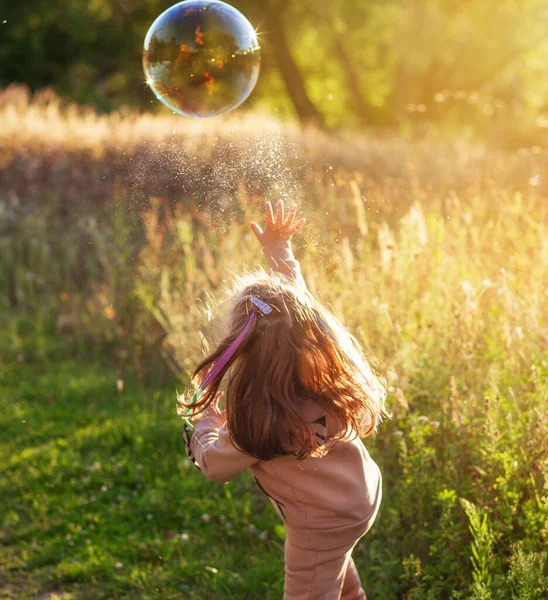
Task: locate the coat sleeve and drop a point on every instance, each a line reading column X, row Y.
column 279, row 255
column 213, row 452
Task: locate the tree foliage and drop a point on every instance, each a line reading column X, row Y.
column 351, row 63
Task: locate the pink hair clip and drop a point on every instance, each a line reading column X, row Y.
column 265, row 308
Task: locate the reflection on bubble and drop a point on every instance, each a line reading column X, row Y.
column 201, row 58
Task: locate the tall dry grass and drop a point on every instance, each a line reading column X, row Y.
column 124, row 228
column 81, row 158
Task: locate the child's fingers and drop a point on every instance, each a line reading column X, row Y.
column 290, row 215
column 256, row 230
column 269, row 215
column 297, row 225
column 279, row 212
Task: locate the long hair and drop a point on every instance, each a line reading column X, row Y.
column 298, row 351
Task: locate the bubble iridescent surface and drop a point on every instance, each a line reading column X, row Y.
column 201, row 58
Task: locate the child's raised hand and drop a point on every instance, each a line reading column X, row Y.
column 279, row 227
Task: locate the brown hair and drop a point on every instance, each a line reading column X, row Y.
column 285, row 358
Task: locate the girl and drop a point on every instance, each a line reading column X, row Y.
column 299, row 396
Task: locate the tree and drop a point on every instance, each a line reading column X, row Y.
column 294, row 81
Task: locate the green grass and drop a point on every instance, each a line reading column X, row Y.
column 100, row 501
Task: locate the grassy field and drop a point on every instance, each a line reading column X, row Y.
column 118, row 235
column 99, row 500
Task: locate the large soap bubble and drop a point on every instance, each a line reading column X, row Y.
column 201, row 58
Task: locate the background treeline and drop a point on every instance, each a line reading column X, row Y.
column 384, row 63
